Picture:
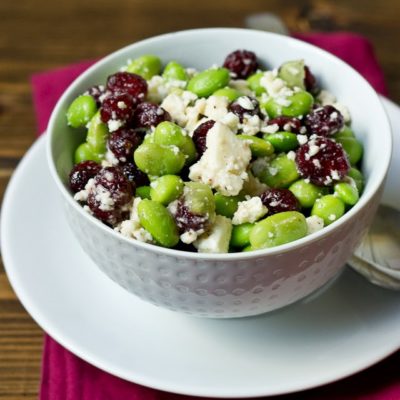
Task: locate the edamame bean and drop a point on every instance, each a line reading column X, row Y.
column 280, row 172
column 81, row 111
column 306, row 192
column 282, row 141
column 230, row 93
column 97, row 134
column 300, row 104
column 168, row 133
column 175, row 71
column 240, row 236
column 205, row 83
column 146, row 66
column 84, row 152
column 346, row 192
column 345, row 132
column 226, row 205
column 198, row 197
column 278, row 229
column 258, row 147
column 352, row 147
column 357, row 177
column 156, row 219
column 166, row 189
column 254, row 82
column 292, row 72
column 143, row 192
column 247, row 248
column 329, row 208
column 155, row 159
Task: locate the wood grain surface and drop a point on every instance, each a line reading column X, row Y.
column 37, row 35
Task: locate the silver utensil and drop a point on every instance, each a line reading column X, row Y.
column 378, row 256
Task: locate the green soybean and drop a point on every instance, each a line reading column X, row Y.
column 247, row 248
column 300, row 104
column 280, row 172
column 226, row 205
column 168, row 133
column 166, row 189
column 146, row 66
column 329, row 208
column 97, row 134
column 306, row 192
column 346, row 192
column 198, row 197
column 292, row 72
column 258, row 147
column 345, row 132
column 175, row 71
column 156, row 219
column 81, row 111
column 278, row 229
column 254, row 82
column 84, row 152
column 205, row 83
column 155, row 159
column 230, row 93
column 240, row 236
column 143, row 192
column 282, row 141
column 358, row 178
column 352, row 147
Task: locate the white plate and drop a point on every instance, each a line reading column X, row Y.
column 347, row 328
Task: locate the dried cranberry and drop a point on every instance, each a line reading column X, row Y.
column 134, row 175
column 149, row 114
column 288, row 124
column 322, row 160
column 186, row 220
column 96, row 92
column 200, row 136
column 242, row 63
column 279, row 200
column 310, row 82
column 324, row 121
column 118, row 107
column 244, row 106
column 81, row 173
column 123, row 143
column 125, row 82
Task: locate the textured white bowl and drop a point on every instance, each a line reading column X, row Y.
column 239, row 284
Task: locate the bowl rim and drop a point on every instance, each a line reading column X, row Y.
column 364, row 199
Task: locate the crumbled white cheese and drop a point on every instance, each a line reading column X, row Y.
column 216, row 240
column 114, row 124
column 191, row 235
column 326, row 98
column 249, row 211
column 216, row 107
column 273, row 128
column 223, row 165
column 313, row 150
column 232, row 120
column 158, row 88
column 245, row 102
column 314, row 224
column 242, row 86
column 194, row 114
column 82, row 195
column 121, row 105
column 332, row 217
column 259, row 165
column 252, row 186
column 291, row 155
column 302, row 139
column 343, row 110
column 251, row 124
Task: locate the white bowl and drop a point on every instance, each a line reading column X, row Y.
column 237, row 284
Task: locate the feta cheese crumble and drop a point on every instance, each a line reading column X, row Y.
column 249, row 211
column 314, row 224
column 224, row 163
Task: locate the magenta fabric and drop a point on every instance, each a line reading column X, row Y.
column 67, row 377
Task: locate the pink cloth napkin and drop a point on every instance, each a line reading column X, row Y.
column 67, row 377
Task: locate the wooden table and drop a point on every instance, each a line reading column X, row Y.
column 37, row 35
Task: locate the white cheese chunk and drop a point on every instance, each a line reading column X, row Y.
column 314, row 224
column 249, row 211
column 223, row 165
column 216, row 240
